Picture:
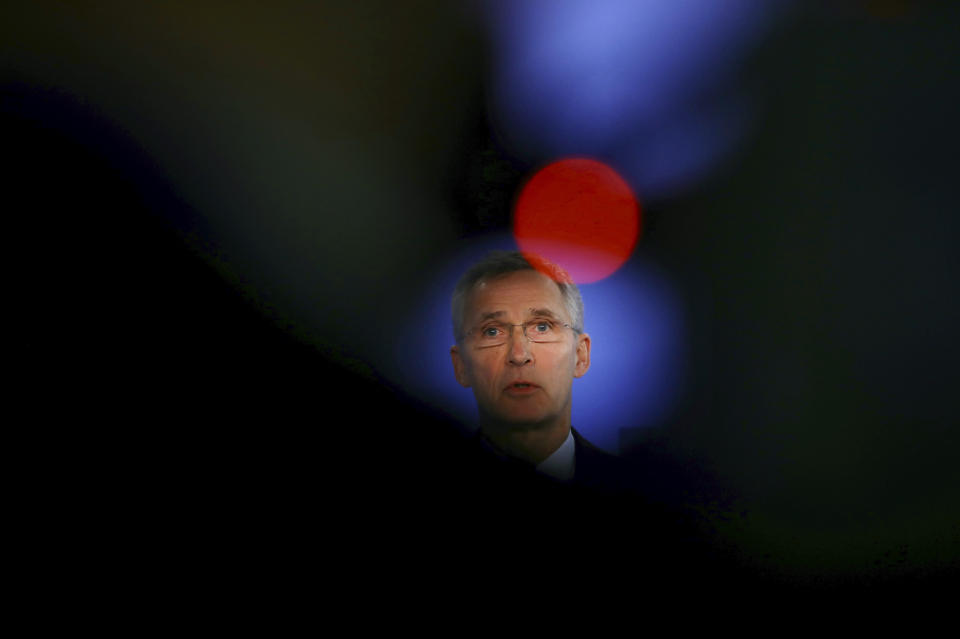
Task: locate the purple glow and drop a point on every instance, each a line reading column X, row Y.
column 636, row 327
column 637, row 354
column 683, row 146
column 599, row 77
column 422, row 366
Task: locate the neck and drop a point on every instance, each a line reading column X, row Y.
column 532, row 444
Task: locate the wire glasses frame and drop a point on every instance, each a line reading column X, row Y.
column 538, row 331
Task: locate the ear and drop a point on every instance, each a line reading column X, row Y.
column 583, row 355
column 459, row 367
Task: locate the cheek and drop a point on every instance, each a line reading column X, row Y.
column 561, row 370
column 567, row 363
column 484, row 374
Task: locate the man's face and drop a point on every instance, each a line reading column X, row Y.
column 520, row 383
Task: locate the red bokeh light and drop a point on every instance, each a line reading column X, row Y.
column 578, row 213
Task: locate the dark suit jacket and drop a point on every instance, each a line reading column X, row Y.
column 593, row 468
column 613, row 507
column 596, row 468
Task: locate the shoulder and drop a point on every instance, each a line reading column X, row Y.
column 584, row 445
column 597, row 468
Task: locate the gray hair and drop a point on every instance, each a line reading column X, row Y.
column 500, row 263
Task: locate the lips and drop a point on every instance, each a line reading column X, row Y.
column 520, row 387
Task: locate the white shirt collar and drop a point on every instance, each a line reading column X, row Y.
column 561, row 463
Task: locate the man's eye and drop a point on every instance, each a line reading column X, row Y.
column 543, row 326
column 490, row 331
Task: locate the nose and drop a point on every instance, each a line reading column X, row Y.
column 519, row 346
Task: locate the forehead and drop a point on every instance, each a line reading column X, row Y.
column 515, row 294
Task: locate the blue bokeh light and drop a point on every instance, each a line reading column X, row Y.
column 629, row 81
column 636, row 325
column 638, row 354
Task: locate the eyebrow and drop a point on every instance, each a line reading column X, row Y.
column 533, row 312
column 543, row 312
column 492, row 315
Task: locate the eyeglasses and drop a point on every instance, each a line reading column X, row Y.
column 540, row 331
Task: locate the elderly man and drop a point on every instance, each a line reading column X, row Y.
column 518, row 323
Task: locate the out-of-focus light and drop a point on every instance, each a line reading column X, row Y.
column 421, row 364
column 638, row 354
column 578, row 213
column 631, row 81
